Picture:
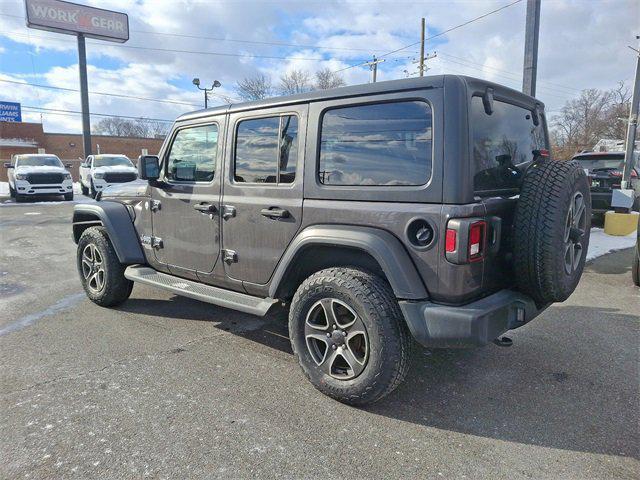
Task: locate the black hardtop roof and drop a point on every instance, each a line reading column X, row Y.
column 432, row 81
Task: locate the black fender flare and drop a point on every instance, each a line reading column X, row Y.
column 115, row 218
column 384, row 247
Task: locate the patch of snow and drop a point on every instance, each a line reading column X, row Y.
column 600, row 243
column 10, row 202
column 4, row 189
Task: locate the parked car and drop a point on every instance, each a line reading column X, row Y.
column 425, row 208
column 35, row 175
column 605, row 174
column 100, row 171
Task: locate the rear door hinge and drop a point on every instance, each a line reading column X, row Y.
column 154, row 205
column 229, row 256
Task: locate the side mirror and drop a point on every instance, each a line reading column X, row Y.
column 8, row 165
column 149, row 167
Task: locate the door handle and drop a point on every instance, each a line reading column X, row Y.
column 275, row 212
column 205, row 208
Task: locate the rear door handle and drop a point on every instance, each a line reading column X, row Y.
column 275, row 212
column 205, row 208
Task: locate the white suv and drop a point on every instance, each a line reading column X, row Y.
column 100, row 171
column 32, row 175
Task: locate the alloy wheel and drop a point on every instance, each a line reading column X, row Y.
column 575, row 228
column 93, row 268
column 336, row 339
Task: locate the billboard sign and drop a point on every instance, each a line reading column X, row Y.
column 71, row 18
column 10, row 112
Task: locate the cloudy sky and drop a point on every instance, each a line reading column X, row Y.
column 583, row 44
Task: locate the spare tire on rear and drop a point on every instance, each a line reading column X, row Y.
column 551, row 230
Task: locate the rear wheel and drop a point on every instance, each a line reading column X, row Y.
column 101, row 273
column 349, row 335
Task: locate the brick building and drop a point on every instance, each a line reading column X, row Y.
column 22, row 137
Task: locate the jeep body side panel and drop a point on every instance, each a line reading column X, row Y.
column 119, row 225
column 381, row 245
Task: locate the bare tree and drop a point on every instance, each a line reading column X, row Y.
column 255, row 88
column 295, row 81
column 326, row 78
column 594, row 115
column 124, row 127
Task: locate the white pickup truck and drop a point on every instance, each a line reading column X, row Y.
column 32, row 175
column 97, row 172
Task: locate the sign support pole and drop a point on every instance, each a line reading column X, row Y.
column 84, row 95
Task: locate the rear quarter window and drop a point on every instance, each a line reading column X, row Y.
column 503, row 145
column 376, row 144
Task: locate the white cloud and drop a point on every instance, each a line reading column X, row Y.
column 582, row 45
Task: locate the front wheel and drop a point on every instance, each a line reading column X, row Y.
column 101, row 273
column 12, row 192
column 92, row 190
column 68, row 196
column 85, row 190
column 348, row 333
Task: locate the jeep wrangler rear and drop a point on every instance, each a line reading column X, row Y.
column 421, row 209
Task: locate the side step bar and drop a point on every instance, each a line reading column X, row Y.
column 199, row 291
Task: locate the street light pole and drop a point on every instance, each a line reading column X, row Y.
column 216, row 84
column 632, row 127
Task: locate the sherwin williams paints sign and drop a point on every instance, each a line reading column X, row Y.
column 71, row 18
column 10, row 112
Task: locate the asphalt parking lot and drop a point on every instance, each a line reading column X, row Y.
column 167, row 387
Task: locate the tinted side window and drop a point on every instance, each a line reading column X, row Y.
column 379, row 144
column 267, row 150
column 503, row 144
column 193, row 154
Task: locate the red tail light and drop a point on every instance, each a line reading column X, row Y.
column 544, row 152
column 476, row 240
column 450, row 241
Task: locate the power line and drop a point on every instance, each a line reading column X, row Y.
column 75, row 112
column 438, row 34
column 176, row 102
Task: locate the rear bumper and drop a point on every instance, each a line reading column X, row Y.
column 471, row 325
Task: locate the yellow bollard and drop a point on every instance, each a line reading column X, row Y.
column 620, row 224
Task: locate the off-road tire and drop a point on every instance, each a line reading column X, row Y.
column 116, row 287
column 84, row 190
column 542, row 212
column 389, row 340
column 68, row 196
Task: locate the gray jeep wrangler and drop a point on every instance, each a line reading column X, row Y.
column 422, row 209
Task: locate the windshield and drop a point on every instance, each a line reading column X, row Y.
column 38, row 161
column 593, row 162
column 106, row 161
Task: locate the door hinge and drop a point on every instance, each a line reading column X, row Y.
column 229, row 256
column 154, row 205
column 149, row 241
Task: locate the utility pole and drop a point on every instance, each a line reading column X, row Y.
column 84, row 96
column 532, row 30
column 633, row 124
column 373, row 66
column 422, row 29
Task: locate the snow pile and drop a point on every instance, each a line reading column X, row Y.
column 601, row 243
column 4, row 189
